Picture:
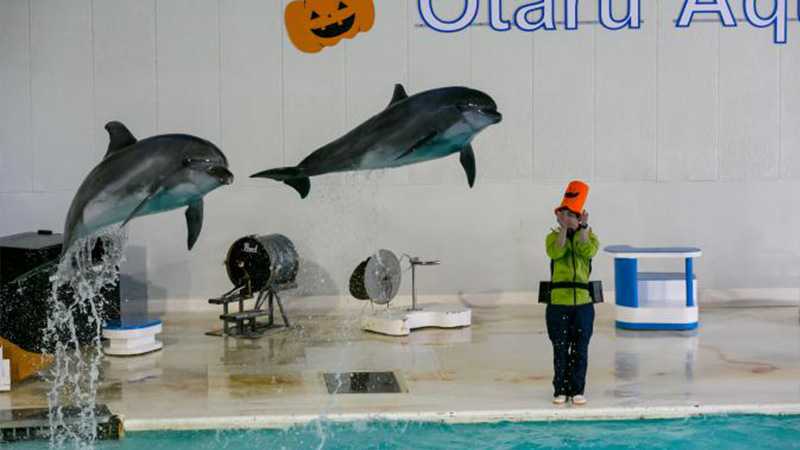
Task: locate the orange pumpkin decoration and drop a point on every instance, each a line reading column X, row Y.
column 316, row 24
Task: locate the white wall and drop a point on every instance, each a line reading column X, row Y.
column 687, row 136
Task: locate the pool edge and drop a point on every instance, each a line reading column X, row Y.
column 453, row 417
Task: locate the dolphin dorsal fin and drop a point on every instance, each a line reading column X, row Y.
column 399, row 94
column 119, row 137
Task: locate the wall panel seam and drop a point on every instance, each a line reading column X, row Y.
column 93, row 127
column 593, row 150
column 407, row 68
column 779, row 106
column 219, row 72
column 283, row 86
column 155, row 72
column 718, row 106
column 533, row 108
column 346, row 77
column 157, row 98
column 658, row 85
column 31, row 140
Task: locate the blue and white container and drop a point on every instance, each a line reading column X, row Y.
column 655, row 300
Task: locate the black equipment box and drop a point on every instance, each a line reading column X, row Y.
column 21, row 253
column 27, row 261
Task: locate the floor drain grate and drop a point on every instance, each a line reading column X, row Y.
column 30, row 424
column 362, row 383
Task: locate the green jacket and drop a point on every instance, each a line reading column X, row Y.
column 571, row 263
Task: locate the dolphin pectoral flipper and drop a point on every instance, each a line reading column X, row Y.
column 292, row 176
column 426, row 139
column 468, row 162
column 194, row 221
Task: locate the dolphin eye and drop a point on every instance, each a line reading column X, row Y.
column 189, row 162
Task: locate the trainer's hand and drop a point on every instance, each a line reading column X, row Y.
column 560, row 219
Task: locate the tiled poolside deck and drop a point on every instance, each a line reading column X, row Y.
column 741, row 360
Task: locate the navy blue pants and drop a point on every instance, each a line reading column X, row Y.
column 570, row 329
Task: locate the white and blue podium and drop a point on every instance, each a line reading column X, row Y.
column 130, row 329
column 654, row 300
column 132, row 338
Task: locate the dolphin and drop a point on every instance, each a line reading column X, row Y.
column 428, row 125
column 138, row 178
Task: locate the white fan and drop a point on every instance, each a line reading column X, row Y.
column 377, row 278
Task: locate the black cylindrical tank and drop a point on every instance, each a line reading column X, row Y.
column 262, row 261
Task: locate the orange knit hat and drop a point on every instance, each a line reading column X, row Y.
column 575, row 197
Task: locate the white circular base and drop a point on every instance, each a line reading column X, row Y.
column 134, row 350
column 129, row 342
column 657, row 318
column 400, row 322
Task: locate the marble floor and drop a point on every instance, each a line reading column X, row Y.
column 500, row 367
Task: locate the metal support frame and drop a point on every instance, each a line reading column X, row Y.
column 414, row 263
column 273, row 295
column 250, row 326
column 414, row 286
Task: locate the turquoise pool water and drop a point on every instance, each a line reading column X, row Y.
column 724, row 432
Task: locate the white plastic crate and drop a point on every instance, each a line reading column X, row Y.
column 5, row 373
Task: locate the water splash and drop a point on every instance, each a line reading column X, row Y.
column 349, row 201
column 86, row 273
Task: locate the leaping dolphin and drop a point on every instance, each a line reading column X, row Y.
column 137, row 178
column 425, row 126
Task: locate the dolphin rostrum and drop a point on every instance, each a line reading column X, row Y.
column 425, row 126
column 137, row 178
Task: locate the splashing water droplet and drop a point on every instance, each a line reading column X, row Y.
column 88, row 269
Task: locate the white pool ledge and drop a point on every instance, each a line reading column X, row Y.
column 453, row 417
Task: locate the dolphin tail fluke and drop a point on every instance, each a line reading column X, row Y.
column 293, row 176
column 301, row 185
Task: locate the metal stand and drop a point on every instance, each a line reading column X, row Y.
column 416, row 261
column 245, row 322
column 272, row 297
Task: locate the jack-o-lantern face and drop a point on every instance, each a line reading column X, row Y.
column 315, row 24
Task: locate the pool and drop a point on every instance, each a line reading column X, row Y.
column 746, row 432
